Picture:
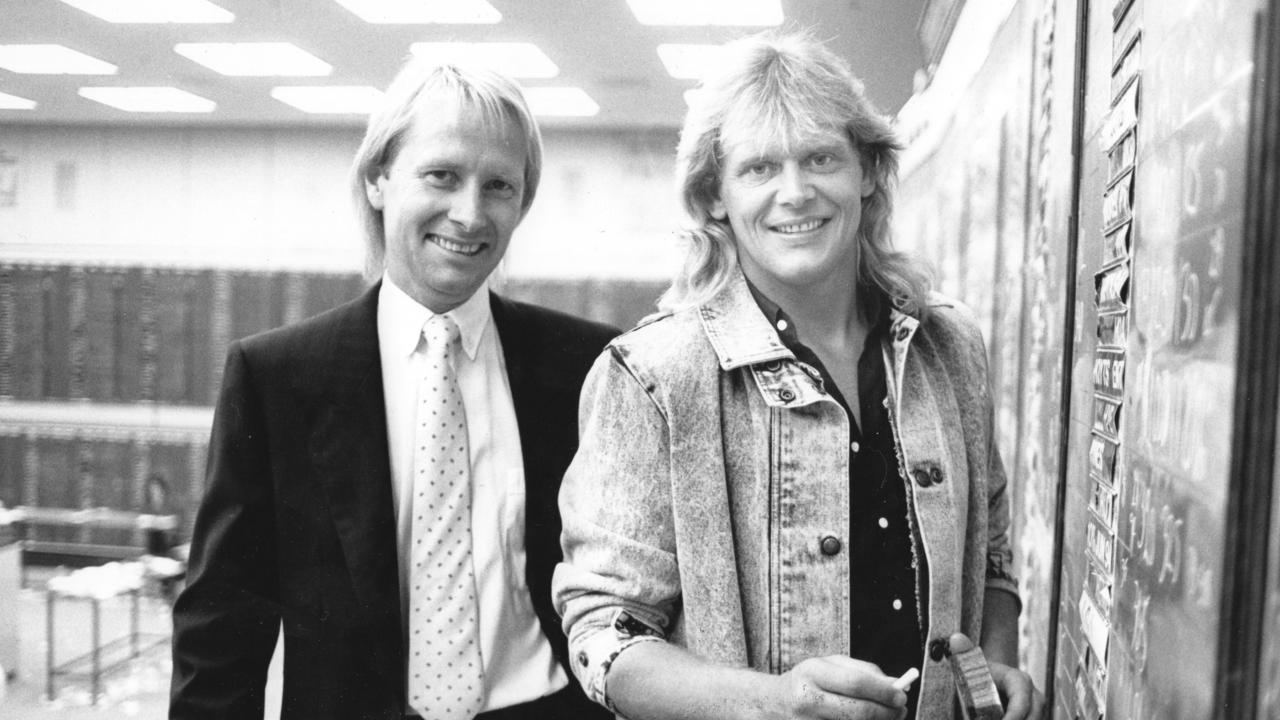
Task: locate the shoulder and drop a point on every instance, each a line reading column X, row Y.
column 950, row 331
column 532, row 329
column 951, row 320
column 668, row 346
column 545, row 319
column 353, row 323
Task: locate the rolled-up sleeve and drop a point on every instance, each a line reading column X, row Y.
column 619, row 583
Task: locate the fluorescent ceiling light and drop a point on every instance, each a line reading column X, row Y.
column 452, row 12
column 154, row 11
column 255, row 59
column 356, row 100
column 51, row 60
column 149, row 99
column 707, row 12
column 687, row 61
column 517, row 59
column 561, row 102
column 13, row 102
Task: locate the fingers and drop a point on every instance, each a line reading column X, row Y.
column 836, row 707
column 1022, row 700
column 849, row 678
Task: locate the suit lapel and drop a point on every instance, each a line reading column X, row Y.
column 348, row 452
column 521, row 358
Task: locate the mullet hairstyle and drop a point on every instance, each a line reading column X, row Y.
column 420, row 86
column 775, row 88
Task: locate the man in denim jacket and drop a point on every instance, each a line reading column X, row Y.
column 787, row 484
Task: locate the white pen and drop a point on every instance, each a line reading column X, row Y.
column 907, row 678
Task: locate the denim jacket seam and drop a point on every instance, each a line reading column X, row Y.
column 635, row 374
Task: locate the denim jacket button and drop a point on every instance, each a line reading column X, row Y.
column 773, row 366
column 831, row 545
column 786, row 395
column 582, row 659
column 903, row 332
column 922, row 477
column 938, row 649
column 935, row 474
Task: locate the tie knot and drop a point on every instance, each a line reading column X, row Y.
column 440, row 331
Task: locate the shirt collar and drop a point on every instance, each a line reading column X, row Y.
column 776, row 316
column 404, row 318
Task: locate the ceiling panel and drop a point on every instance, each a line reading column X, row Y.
column 597, row 44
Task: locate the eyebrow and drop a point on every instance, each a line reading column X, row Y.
column 448, row 162
column 770, row 154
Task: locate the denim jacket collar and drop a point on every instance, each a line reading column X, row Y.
column 741, row 335
column 737, row 329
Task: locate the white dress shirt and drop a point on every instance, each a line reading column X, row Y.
column 518, row 663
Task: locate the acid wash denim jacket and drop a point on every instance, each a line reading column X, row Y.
column 711, row 467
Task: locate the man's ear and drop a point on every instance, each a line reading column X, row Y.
column 718, row 210
column 868, row 184
column 870, row 168
column 373, row 190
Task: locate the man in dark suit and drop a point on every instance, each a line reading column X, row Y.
column 330, row 502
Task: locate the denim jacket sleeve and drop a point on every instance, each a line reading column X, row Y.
column 999, row 551
column 619, row 583
column 999, row 555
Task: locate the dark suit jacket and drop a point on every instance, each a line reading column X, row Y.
column 297, row 521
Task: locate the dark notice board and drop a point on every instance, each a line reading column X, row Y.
column 1162, row 209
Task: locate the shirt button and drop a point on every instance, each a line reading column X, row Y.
column 935, row 475
column 903, row 332
column 786, row 395
column 921, row 477
column 830, row 545
column 897, row 604
column 782, row 325
column 773, row 366
column 854, row 446
column 884, row 523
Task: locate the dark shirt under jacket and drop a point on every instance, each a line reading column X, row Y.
column 885, row 615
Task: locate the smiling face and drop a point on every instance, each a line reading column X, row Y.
column 450, row 200
column 795, row 210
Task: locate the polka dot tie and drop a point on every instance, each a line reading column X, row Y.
column 446, row 675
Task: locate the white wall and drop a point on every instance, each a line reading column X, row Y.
column 277, row 199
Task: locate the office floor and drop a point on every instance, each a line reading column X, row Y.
column 138, row 689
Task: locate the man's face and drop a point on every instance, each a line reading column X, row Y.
column 795, row 211
column 450, row 200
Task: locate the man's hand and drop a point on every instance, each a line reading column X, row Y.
column 1022, row 701
column 837, row 687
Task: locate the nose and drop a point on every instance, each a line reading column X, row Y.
column 794, row 188
column 466, row 207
